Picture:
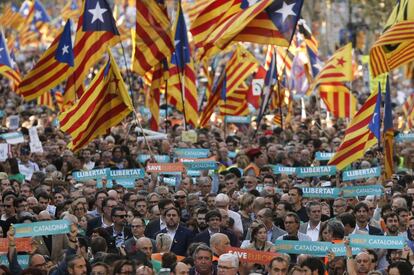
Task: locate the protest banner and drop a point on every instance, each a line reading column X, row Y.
column 318, row 249
column 321, row 192
column 158, row 158
column 363, row 190
column 201, row 165
column 374, row 242
column 315, row 171
column 191, row 153
column 54, row 227
column 238, row 119
column 22, row 260
column 22, row 245
column 252, row 256
column 361, row 174
column 165, row 167
column 323, row 155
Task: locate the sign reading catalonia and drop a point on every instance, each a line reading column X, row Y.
column 42, row 228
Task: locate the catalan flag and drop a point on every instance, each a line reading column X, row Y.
column 28, row 33
column 388, row 134
column 226, row 32
column 70, row 10
column 337, row 69
column 103, row 105
column 312, row 46
column 338, row 99
column 194, row 8
column 6, row 66
column 358, row 136
column 408, row 104
column 41, row 18
column 236, row 103
column 395, row 46
column 53, row 67
column 152, row 41
column 60, row 101
column 154, row 95
column 275, row 26
column 95, row 33
column 11, row 17
column 46, row 99
column 269, row 82
column 264, row 22
column 182, row 81
column 241, row 65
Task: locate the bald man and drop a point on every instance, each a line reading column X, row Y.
column 144, row 244
column 219, row 243
column 181, row 269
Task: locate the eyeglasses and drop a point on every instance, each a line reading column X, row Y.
column 136, row 226
column 180, row 197
column 225, row 267
column 120, row 216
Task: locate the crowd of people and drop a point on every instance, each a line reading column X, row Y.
column 189, row 227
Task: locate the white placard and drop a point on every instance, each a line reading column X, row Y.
column 14, row 122
column 4, row 151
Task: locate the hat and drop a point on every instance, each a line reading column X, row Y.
column 254, row 152
column 3, row 176
column 235, row 171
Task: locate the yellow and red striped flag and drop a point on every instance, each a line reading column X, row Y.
column 154, row 95
column 103, row 105
column 395, row 46
column 194, row 8
column 358, row 136
column 46, row 99
column 388, row 133
column 53, row 67
column 70, row 10
column 59, row 101
column 6, row 66
column 337, row 69
column 182, row 81
column 11, row 17
column 241, row 65
column 338, row 99
column 96, row 32
column 152, row 40
column 408, row 104
column 236, row 103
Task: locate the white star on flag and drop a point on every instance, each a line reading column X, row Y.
column 65, row 49
column 252, row 2
column 1, row 49
column 97, row 13
column 38, row 15
column 286, row 10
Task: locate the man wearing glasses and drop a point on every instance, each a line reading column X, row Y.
column 105, row 220
column 119, row 232
column 137, row 229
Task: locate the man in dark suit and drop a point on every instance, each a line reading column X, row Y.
column 105, row 219
column 118, row 231
column 213, row 219
column 155, row 226
column 362, row 220
column 137, row 229
column 180, row 235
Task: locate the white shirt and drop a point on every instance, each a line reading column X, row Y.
column 171, row 233
column 238, row 226
column 89, row 165
column 313, row 233
column 162, row 224
column 27, row 169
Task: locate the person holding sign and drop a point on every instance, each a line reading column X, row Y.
column 259, row 242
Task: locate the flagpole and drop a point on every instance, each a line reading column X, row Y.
column 280, row 103
column 182, row 74
column 135, row 111
column 166, row 105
